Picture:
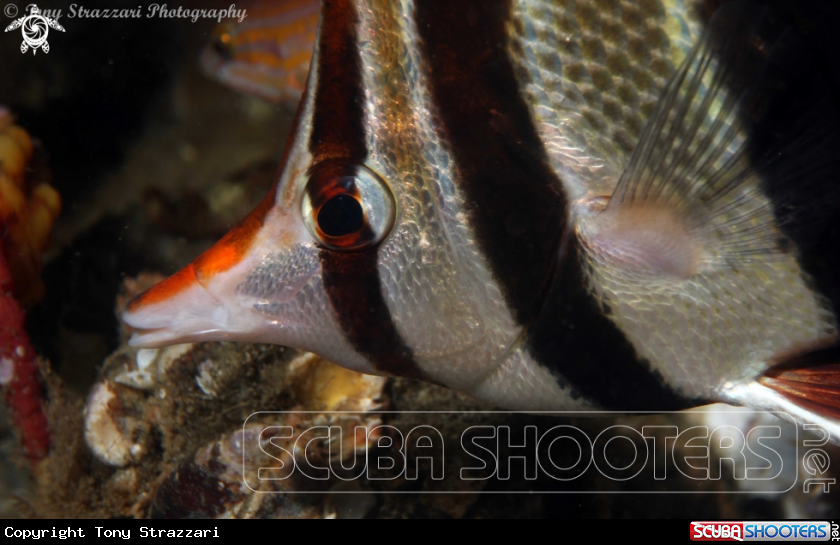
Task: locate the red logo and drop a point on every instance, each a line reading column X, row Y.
column 717, row 531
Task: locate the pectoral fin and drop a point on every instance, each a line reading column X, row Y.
column 696, row 193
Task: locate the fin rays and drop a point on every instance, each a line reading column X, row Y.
column 811, row 380
column 693, row 156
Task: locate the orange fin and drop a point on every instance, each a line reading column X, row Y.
column 811, row 381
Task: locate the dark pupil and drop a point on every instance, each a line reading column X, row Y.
column 222, row 49
column 341, row 216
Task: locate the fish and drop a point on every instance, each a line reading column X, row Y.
column 547, row 205
column 267, row 54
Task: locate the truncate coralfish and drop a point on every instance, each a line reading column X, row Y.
column 544, row 204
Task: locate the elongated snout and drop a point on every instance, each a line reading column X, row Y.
column 202, row 302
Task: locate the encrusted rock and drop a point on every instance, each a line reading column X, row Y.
column 113, row 434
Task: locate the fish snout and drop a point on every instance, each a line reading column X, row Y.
column 213, row 298
column 182, row 309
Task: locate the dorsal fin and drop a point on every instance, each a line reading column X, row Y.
column 695, row 194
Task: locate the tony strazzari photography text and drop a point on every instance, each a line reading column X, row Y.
column 163, row 11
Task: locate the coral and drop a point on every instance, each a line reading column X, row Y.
column 28, row 209
column 19, row 372
column 27, row 213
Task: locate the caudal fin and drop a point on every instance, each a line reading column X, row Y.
column 805, row 386
column 811, row 381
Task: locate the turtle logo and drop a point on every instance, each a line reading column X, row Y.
column 36, row 27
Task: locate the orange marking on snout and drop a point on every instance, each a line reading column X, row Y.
column 222, row 256
column 176, row 283
column 235, row 245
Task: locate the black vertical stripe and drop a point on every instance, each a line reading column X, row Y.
column 513, row 197
column 351, row 279
column 575, row 338
column 338, row 111
column 518, row 210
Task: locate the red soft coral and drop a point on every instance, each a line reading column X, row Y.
column 20, row 372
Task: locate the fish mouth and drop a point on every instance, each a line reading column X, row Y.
column 161, row 314
column 201, row 302
column 182, row 309
column 217, row 297
column 153, row 338
column 163, row 336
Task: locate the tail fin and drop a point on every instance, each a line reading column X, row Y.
column 805, row 386
column 811, row 380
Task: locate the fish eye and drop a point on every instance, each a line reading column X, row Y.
column 347, row 206
column 222, row 47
